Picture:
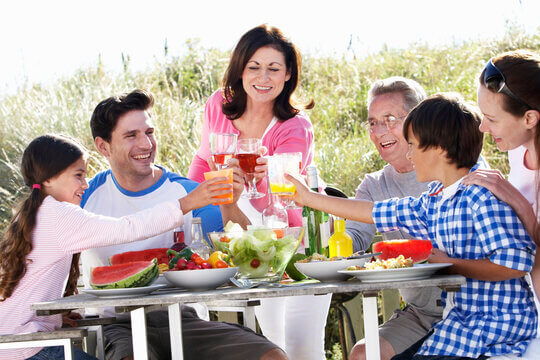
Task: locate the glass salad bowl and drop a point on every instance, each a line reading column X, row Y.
column 260, row 253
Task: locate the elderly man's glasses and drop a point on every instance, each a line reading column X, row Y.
column 390, row 121
column 494, row 80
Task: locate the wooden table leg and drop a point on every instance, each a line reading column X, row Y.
column 371, row 325
column 138, row 331
column 175, row 325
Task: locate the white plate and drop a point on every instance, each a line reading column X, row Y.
column 123, row 291
column 416, row 272
column 328, row 270
column 200, row 279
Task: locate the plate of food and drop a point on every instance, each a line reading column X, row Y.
column 394, row 269
column 324, row 269
column 121, row 292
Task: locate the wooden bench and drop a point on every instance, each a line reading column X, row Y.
column 64, row 337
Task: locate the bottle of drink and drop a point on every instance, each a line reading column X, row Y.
column 313, row 218
column 197, row 243
column 340, row 243
column 274, row 215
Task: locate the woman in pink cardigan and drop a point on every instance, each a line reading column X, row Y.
column 262, row 75
column 255, row 102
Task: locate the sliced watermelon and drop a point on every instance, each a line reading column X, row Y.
column 128, row 275
column 143, row 255
column 417, row 250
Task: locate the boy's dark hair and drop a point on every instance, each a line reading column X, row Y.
column 108, row 111
column 445, row 120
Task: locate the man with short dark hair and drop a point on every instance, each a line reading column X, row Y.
column 123, row 133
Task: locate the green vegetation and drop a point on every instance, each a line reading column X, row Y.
column 182, row 85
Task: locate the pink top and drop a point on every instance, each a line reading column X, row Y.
column 63, row 229
column 292, row 135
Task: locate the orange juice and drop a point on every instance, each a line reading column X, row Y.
column 228, row 173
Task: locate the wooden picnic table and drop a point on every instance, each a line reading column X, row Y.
column 172, row 298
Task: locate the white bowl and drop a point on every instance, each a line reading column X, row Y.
column 200, row 279
column 328, row 270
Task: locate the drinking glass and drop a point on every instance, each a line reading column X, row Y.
column 247, row 153
column 222, row 147
column 278, row 165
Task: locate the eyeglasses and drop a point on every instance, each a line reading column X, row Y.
column 390, row 121
column 494, row 80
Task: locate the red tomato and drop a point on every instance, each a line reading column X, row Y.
column 255, row 263
column 206, row 265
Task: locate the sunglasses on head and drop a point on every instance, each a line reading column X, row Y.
column 494, row 80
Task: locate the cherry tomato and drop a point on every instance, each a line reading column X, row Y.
column 224, row 239
column 255, row 263
column 205, row 265
column 220, row 264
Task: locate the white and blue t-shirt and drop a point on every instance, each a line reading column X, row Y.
column 106, row 197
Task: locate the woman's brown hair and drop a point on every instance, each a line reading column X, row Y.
column 235, row 101
column 521, row 70
column 45, row 157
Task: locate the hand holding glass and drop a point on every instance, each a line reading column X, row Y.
column 247, row 153
column 278, row 165
column 228, row 173
column 222, row 147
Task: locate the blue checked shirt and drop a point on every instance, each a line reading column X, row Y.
column 486, row 317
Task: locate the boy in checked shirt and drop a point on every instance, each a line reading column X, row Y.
column 482, row 237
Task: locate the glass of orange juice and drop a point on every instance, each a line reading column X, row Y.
column 228, row 173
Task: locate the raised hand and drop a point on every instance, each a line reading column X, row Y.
column 302, row 190
column 205, row 193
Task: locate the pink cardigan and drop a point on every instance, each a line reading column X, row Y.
column 63, row 229
column 292, row 135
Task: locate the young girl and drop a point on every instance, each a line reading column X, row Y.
column 41, row 245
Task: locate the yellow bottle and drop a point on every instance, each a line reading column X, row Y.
column 340, row 243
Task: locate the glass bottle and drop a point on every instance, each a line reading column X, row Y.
column 340, row 243
column 274, row 215
column 197, row 243
column 312, row 218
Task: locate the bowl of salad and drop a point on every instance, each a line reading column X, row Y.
column 260, row 253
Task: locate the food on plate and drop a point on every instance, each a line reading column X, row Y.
column 292, row 271
column 128, row 275
column 189, row 260
column 417, row 250
column 393, row 263
column 163, row 267
column 142, row 255
column 319, row 257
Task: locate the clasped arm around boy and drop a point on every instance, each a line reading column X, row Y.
column 481, row 236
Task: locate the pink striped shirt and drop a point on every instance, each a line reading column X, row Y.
column 63, row 229
column 292, row 135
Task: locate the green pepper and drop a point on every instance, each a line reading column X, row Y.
column 185, row 253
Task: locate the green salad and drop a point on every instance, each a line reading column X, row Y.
column 258, row 250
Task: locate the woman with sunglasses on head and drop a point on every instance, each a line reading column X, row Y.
column 256, row 102
column 509, row 97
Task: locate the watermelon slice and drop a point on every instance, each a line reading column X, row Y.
column 143, row 255
column 417, row 250
column 128, row 275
